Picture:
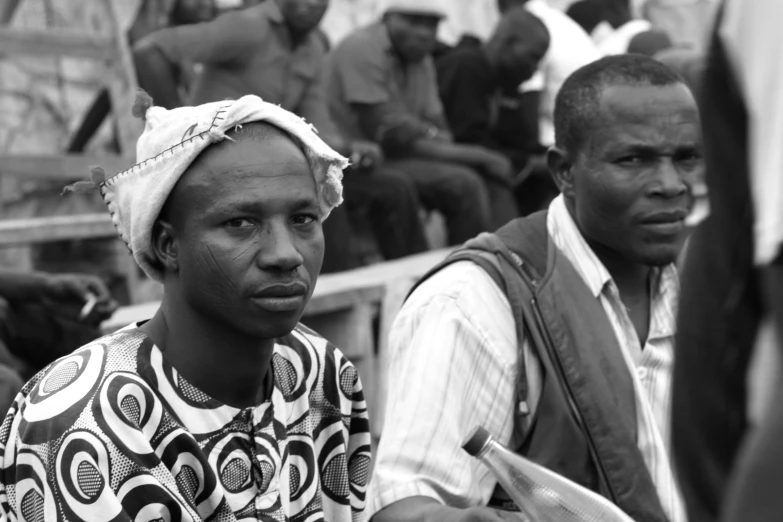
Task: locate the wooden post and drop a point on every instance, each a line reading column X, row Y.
column 122, row 91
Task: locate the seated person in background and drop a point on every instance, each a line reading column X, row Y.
column 562, row 346
column 381, row 86
column 273, row 50
column 570, row 48
column 220, row 407
column 478, row 87
column 43, row 317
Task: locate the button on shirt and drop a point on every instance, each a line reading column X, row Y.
column 453, row 353
column 250, row 52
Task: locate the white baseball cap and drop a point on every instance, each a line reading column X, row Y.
column 434, row 8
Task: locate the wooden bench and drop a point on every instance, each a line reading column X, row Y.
column 343, row 309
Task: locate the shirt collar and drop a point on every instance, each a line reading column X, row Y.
column 566, row 236
column 569, row 240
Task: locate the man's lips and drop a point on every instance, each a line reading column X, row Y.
column 665, row 216
column 282, row 298
column 666, row 223
column 282, row 290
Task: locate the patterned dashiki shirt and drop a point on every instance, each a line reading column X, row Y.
column 113, row 432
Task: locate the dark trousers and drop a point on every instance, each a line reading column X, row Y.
column 455, row 191
column 338, row 250
column 388, row 199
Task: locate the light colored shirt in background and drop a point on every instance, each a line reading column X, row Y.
column 453, row 361
column 751, row 33
column 570, row 48
column 616, row 41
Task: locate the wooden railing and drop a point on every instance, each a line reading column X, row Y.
column 343, row 309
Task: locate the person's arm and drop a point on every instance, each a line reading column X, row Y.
column 22, row 286
column 465, row 93
column 433, row 112
column 451, row 367
column 314, row 109
column 157, row 57
column 62, row 294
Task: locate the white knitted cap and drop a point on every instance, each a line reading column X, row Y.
column 173, row 139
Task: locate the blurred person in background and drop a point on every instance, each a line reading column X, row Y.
column 43, row 317
column 274, row 50
column 382, row 86
column 570, row 48
column 732, row 297
column 479, row 89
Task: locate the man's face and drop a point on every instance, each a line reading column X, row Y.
column 519, row 58
column 303, row 15
column 248, row 235
column 632, row 180
column 413, row 36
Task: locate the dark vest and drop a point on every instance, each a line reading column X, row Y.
column 584, row 426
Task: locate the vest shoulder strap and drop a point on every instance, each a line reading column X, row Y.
column 504, row 267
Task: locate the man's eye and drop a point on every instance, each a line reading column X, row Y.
column 689, row 156
column 239, row 223
column 630, row 160
column 304, row 219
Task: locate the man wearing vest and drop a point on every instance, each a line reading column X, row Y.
column 556, row 333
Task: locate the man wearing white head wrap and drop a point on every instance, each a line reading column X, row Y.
column 221, row 407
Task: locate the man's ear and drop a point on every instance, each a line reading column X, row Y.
column 559, row 163
column 165, row 245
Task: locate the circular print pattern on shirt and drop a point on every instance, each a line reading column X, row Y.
column 61, row 395
column 229, row 456
column 82, row 466
column 144, row 499
column 33, row 496
column 267, row 456
column 302, row 472
column 359, row 471
column 333, row 466
column 129, row 412
column 295, row 369
column 182, row 456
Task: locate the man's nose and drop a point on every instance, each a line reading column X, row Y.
column 670, row 181
column 279, row 251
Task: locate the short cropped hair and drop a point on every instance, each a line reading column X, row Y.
column 578, row 103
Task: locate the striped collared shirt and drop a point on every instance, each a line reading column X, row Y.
column 651, row 364
column 452, row 364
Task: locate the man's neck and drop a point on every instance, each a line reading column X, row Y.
column 229, row 367
column 631, row 278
